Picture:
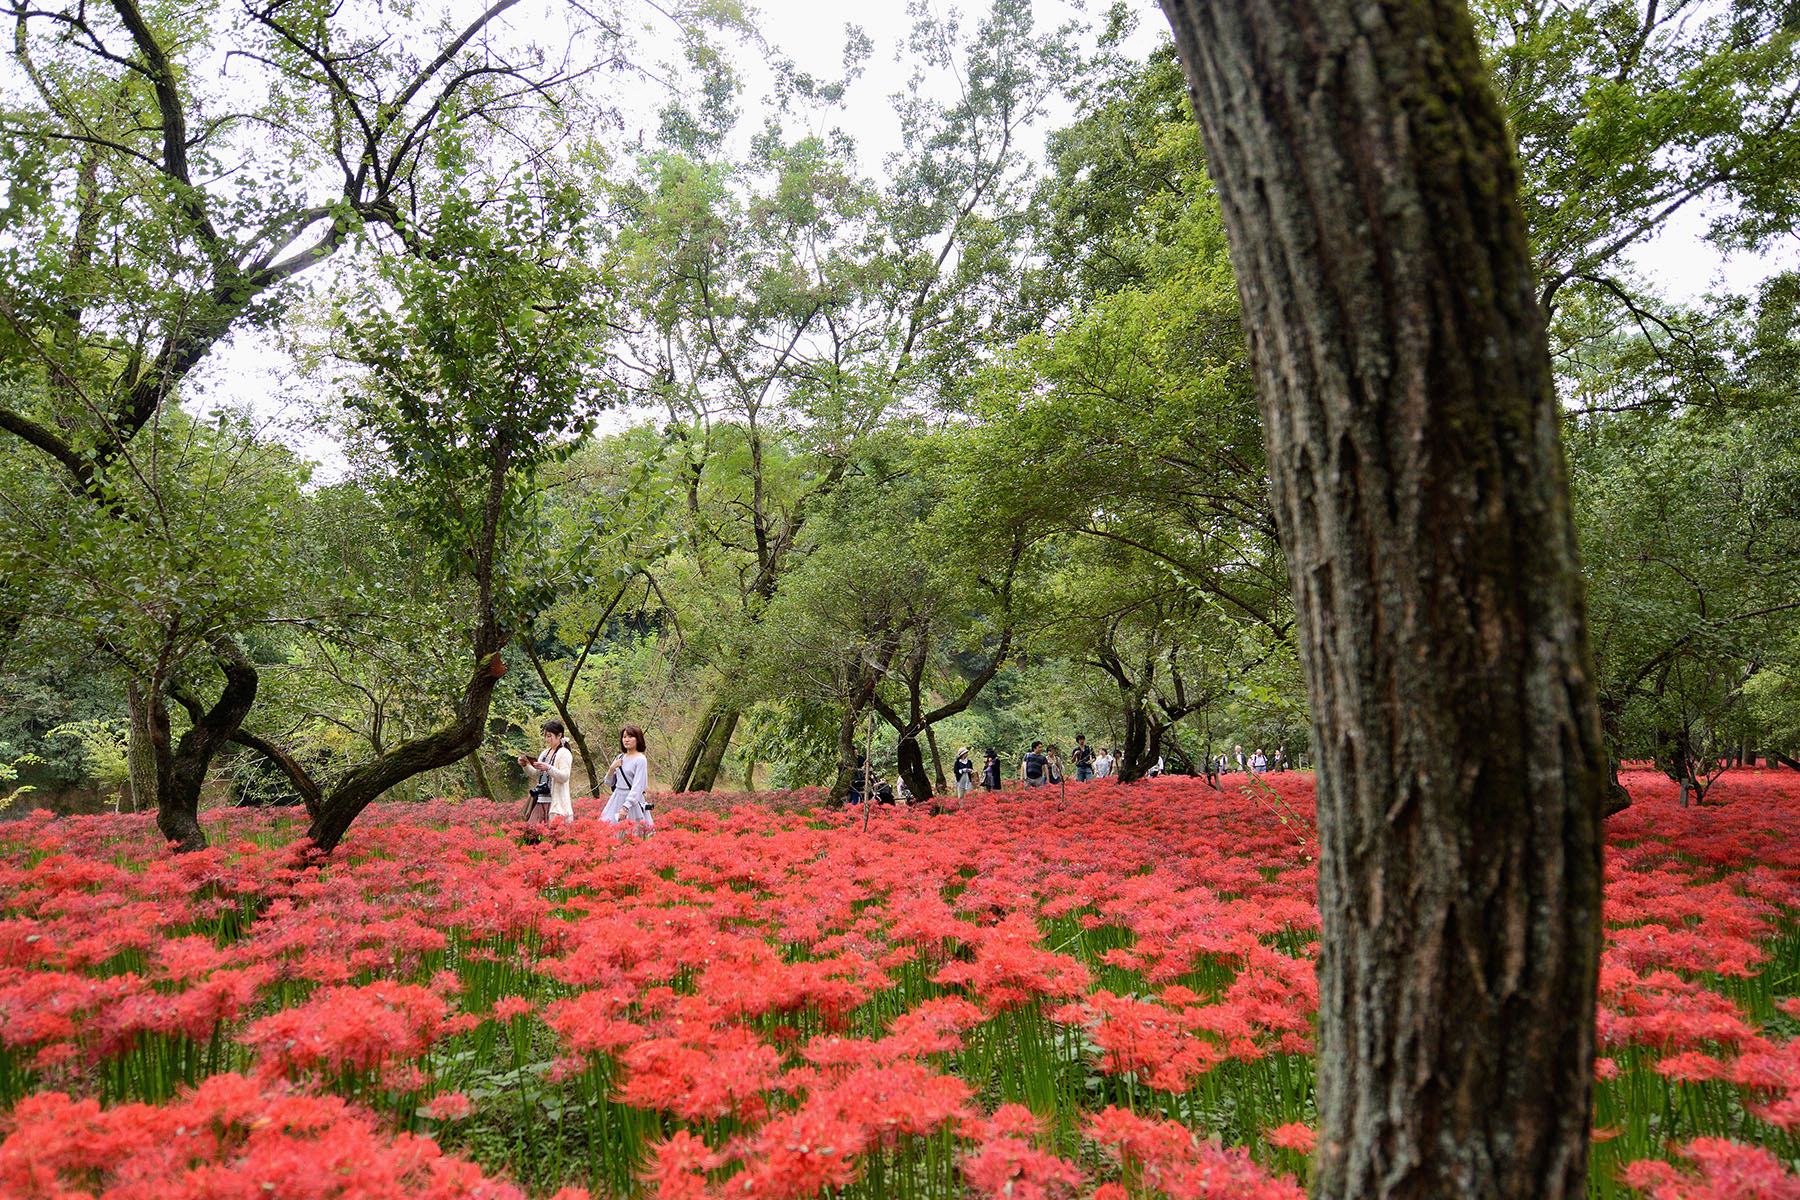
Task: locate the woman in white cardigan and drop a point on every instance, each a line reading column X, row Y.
column 629, row 775
column 550, row 796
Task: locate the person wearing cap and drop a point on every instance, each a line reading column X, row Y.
column 964, row 770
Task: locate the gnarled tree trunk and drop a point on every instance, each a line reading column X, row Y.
column 1416, row 470
column 181, row 768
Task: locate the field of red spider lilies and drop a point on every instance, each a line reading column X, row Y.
column 1108, row 997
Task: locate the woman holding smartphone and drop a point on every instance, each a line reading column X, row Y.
column 550, row 795
column 628, row 776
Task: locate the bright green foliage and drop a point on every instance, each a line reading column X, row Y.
column 196, row 535
column 1690, row 531
column 485, row 370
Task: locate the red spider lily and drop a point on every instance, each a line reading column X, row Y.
column 777, row 979
column 1723, row 1170
column 1293, row 1136
column 1173, row 1161
column 228, row 1137
column 352, row 1028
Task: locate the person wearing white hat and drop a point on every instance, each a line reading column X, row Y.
column 964, row 770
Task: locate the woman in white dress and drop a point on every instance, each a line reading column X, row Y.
column 628, row 776
column 550, row 795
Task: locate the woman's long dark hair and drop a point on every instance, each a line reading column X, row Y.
column 639, row 745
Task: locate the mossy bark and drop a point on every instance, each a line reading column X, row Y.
column 1416, row 472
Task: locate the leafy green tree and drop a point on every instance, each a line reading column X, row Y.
column 480, row 366
column 153, row 212
column 195, row 545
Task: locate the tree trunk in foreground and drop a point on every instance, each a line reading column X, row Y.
column 1370, row 194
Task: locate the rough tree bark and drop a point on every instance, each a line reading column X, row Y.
column 1370, row 194
column 140, row 752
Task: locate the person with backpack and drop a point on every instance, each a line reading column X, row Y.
column 549, row 796
column 1083, row 759
column 1034, row 768
column 628, row 776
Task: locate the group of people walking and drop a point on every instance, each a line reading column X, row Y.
column 628, row 776
column 1042, row 766
column 1256, row 762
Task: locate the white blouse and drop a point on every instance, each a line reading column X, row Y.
column 561, row 765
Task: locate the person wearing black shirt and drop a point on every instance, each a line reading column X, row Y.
column 990, row 770
column 1034, row 768
column 964, row 770
column 859, row 780
column 1083, row 759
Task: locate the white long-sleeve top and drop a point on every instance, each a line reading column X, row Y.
column 562, row 765
column 629, row 779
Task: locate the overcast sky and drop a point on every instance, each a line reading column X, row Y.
column 250, row 371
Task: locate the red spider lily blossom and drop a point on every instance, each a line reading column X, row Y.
column 450, row 1106
column 778, row 1004
column 1690, row 1066
column 228, row 1137
column 352, row 1028
column 1013, row 1169
column 1176, row 1163
column 1722, row 1170
column 1293, row 1136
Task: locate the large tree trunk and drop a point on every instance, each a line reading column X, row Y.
column 1416, row 470
column 1137, row 753
column 911, row 767
column 181, row 769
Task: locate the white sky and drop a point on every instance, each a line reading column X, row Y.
column 252, row 372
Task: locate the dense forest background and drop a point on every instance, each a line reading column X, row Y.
column 700, row 427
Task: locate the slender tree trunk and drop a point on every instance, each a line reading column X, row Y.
column 563, row 711
column 140, row 753
column 712, row 754
column 847, row 752
column 479, row 770
column 706, row 748
column 937, row 760
column 1416, row 472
